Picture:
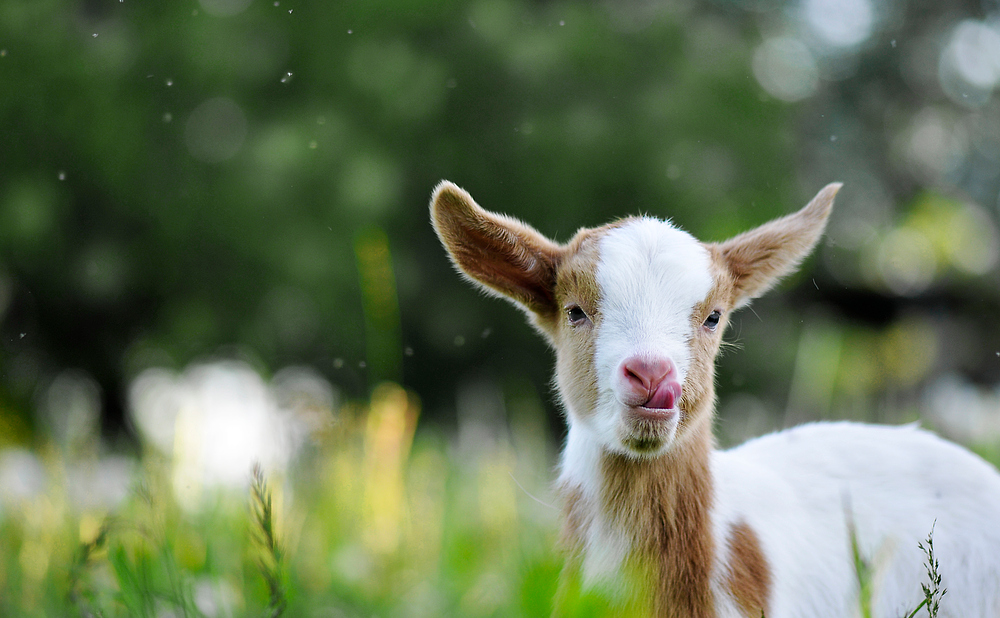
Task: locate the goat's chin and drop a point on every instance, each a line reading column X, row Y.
column 648, row 433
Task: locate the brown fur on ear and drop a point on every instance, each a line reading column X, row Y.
column 501, row 254
column 757, row 259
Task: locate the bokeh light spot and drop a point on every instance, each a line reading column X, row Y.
column 906, row 262
column 840, row 23
column 409, row 85
column 370, row 184
column 976, row 49
column 975, row 248
column 101, row 271
column 29, row 212
column 935, row 143
column 215, row 131
column 785, row 68
column 969, row 66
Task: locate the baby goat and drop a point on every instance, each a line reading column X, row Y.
column 635, row 311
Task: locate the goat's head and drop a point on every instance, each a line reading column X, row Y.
column 635, row 309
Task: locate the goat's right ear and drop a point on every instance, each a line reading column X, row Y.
column 759, row 258
column 502, row 255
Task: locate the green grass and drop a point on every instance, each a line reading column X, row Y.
column 264, row 533
column 932, row 590
column 372, row 520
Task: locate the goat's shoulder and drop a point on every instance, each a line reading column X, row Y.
column 848, row 452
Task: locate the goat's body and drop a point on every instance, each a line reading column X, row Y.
column 797, row 493
column 801, row 489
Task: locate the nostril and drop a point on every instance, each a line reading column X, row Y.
column 636, row 377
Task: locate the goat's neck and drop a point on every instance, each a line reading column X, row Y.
column 659, row 508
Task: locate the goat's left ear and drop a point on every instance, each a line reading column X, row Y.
column 757, row 259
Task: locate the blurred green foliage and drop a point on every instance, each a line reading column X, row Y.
column 229, row 178
column 249, row 179
column 370, row 523
column 176, row 183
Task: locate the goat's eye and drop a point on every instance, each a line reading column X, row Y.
column 712, row 321
column 576, row 315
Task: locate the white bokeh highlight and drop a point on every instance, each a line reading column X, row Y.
column 969, row 66
column 215, row 420
column 840, row 23
column 786, row 69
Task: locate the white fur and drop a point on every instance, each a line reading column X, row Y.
column 799, row 488
column 651, row 275
column 605, row 548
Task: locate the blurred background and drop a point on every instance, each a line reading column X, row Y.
column 214, row 249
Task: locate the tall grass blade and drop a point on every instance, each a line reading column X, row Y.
column 270, row 557
column 932, row 589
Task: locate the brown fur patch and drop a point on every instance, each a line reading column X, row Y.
column 573, row 518
column 664, row 502
column 576, row 284
column 698, row 396
column 500, row 253
column 749, row 578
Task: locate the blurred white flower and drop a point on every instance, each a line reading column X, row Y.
column 215, row 597
column 22, row 476
column 216, row 419
column 72, row 411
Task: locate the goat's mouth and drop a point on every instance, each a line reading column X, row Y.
column 647, row 431
column 655, row 415
column 658, row 406
column 658, row 403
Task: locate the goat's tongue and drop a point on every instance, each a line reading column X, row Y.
column 666, row 395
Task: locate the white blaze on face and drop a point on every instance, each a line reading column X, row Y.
column 651, row 275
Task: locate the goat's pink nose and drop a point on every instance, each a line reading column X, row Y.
column 645, row 372
column 650, row 382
